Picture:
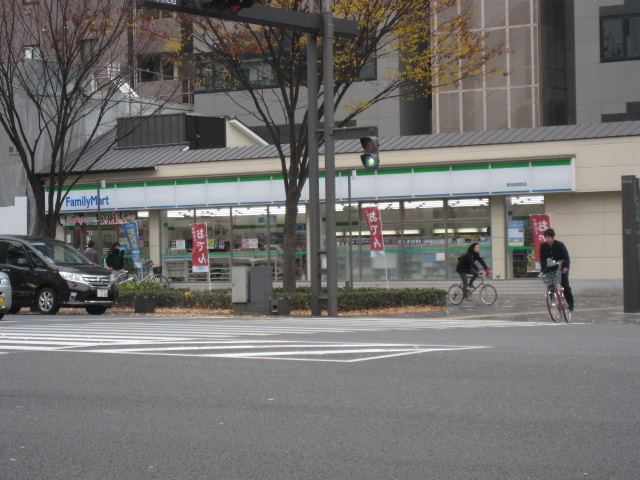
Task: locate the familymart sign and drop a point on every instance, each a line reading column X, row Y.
column 520, row 177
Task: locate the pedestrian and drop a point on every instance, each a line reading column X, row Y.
column 91, row 253
column 115, row 259
column 556, row 251
column 467, row 266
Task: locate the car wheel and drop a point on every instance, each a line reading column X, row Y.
column 14, row 310
column 47, row 302
column 96, row 310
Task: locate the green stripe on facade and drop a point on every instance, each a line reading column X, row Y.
column 198, row 181
column 394, row 171
column 551, row 163
column 255, row 179
column 484, row 166
column 223, row 180
column 510, row 165
column 430, row 169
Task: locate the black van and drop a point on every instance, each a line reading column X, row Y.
column 48, row 274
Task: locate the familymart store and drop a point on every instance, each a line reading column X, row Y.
column 430, row 215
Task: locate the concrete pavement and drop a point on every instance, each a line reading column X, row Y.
column 534, row 309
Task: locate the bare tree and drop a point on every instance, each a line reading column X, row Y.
column 432, row 44
column 64, row 73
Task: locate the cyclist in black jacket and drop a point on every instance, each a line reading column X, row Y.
column 555, row 250
column 467, row 266
column 115, row 259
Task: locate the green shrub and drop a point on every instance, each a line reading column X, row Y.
column 369, row 298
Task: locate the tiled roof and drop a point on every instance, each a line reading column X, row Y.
column 149, row 157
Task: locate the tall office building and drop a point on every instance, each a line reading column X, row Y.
column 536, row 89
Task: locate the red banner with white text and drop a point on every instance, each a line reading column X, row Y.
column 200, row 251
column 539, row 223
column 372, row 214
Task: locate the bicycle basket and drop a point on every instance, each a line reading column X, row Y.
column 551, row 277
column 157, row 270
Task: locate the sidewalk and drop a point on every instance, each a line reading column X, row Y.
column 534, row 309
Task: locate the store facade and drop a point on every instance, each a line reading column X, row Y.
column 433, row 201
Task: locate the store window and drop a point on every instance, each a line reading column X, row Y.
column 520, row 251
column 422, row 239
column 237, row 236
column 81, row 228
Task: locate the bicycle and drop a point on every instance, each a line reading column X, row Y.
column 488, row 293
column 556, row 302
column 151, row 276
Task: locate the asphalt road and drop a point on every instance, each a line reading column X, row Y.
column 134, row 397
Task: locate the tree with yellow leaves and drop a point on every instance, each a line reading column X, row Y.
column 430, row 45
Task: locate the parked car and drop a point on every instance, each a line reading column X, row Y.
column 47, row 274
column 5, row 294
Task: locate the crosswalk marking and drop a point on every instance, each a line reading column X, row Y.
column 228, row 338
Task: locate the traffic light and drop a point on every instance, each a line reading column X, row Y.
column 370, row 158
column 223, row 6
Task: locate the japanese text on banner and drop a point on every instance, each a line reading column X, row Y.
column 200, row 251
column 131, row 232
column 372, row 214
column 539, row 223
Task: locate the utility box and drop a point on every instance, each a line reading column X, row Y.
column 251, row 289
column 281, row 306
column 144, row 303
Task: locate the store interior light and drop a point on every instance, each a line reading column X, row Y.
column 424, row 204
column 527, row 200
column 143, row 214
column 469, row 202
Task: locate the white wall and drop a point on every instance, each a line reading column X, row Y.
column 14, row 218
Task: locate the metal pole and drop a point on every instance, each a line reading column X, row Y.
column 350, row 172
column 99, row 183
column 313, row 259
column 329, row 163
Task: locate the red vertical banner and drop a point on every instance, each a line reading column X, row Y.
column 199, row 251
column 539, row 223
column 372, row 214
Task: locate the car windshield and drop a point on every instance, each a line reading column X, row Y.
column 59, row 252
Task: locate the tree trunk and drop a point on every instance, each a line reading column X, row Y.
column 289, row 256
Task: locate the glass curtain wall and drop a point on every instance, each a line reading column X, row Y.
column 237, row 236
column 422, row 239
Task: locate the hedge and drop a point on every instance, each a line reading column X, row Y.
column 369, row 298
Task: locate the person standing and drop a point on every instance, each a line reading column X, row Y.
column 91, row 253
column 467, row 266
column 115, row 259
column 556, row 251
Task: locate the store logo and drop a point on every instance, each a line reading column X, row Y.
column 85, row 201
column 516, row 184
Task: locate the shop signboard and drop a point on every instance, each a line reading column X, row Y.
column 131, row 234
column 539, row 223
column 515, row 233
column 372, row 214
column 200, row 251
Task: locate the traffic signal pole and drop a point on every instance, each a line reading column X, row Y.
column 330, row 163
column 323, row 24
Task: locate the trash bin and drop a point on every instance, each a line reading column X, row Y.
column 281, row 306
column 144, row 303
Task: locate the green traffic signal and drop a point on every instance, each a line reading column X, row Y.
column 370, row 159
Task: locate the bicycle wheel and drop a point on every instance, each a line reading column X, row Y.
column 563, row 308
column 552, row 306
column 161, row 280
column 125, row 277
column 488, row 294
column 456, row 295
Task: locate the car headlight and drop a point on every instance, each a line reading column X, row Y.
column 4, row 281
column 72, row 277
